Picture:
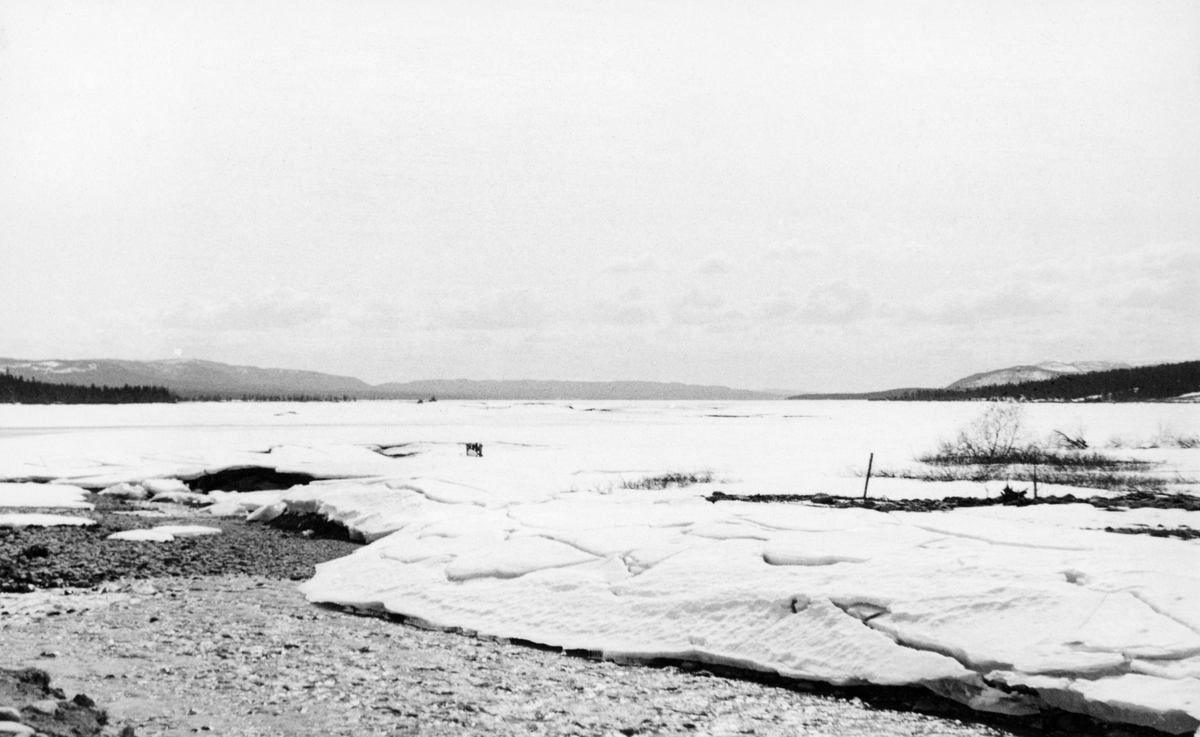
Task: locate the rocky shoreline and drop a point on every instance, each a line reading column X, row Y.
column 210, row 635
column 81, row 557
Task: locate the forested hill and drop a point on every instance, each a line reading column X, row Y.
column 19, row 390
column 1138, row 384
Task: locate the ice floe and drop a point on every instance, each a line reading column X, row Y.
column 153, row 536
column 43, row 495
column 23, row 519
column 164, row 533
column 126, row 490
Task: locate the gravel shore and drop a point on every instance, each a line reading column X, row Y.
column 55, row 557
column 246, row 655
column 179, row 638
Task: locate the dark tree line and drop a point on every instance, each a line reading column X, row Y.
column 19, row 390
column 1140, row 384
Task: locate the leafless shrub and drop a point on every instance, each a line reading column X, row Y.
column 669, row 479
column 993, row 447
column 1165, row 437
column 1075, row 442
column 997, row 433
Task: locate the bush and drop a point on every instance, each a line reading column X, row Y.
column 996, row 436
column 669, row 479
column 1166, row 437
column 993, row 447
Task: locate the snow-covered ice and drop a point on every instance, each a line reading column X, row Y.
column 43, row 495
column 239, row 504
column 153, row 536
column 30, row 519
column 539, row 539
column 126, row 491
column 187, row 530
column 165, row 533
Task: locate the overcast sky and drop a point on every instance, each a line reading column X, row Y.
column 830, row 195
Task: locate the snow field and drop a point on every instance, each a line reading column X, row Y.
column 538, row 540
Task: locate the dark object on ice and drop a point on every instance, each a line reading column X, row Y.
column 1008, row 495
column 1183, row 533
column 255, row 478
column 313, row 525
column 867, row 483
column 475, row 449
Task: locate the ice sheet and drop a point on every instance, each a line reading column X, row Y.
column 539, row 539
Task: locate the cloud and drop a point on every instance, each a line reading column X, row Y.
column 838, row 302
column 714, row 264
column 638, row 265
column 1173, row 297
column 633, row 294
column 279, row 309
column 705, row 300
column 777, row 309
column 711, row 320
column 1008, row 302
column 609, row 312
column 1158, row 278
column 376, row 315
column 508, row 310
column 787, row 251
column 833, row 303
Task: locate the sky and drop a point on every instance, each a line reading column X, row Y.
column 816, row 196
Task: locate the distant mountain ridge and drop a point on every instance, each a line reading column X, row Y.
column 186, row 376
column 191, row 377
column 1038, row 372
column 581, row 390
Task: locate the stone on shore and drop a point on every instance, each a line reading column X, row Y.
column 124, row 490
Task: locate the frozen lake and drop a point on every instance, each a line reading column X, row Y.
column 539, row 538
column 753, row 447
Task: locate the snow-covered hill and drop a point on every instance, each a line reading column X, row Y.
column 185, row 375
column 1038, row 372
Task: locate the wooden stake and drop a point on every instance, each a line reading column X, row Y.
column 1035, row 482
column 870, row 462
